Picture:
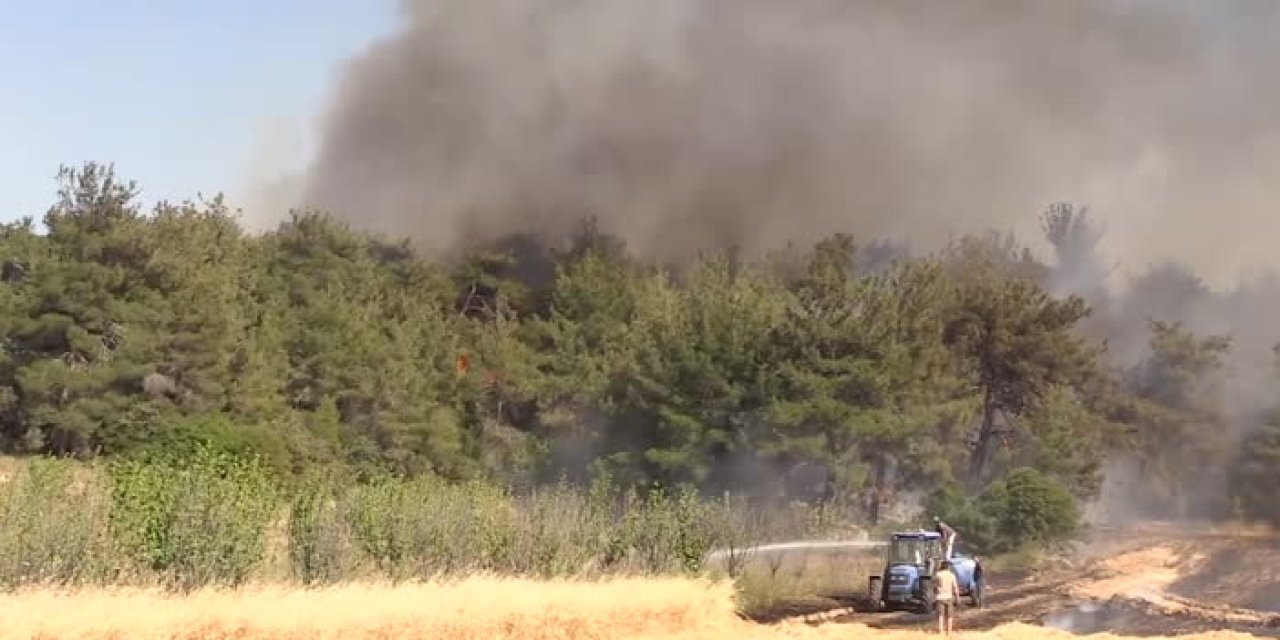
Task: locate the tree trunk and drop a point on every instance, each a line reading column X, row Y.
column 829, row 489
column 877, row 490
column 978, row 459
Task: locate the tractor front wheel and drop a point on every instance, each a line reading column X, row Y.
column 875, row 593
column 926, row 595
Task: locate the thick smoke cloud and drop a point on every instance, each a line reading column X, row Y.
column 687, row 125
column 691, row 124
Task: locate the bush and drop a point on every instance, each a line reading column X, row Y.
column 1030, row 508
column 425, row 527
column 1027, row 509
column 196, row 520
column 669, row 533
column 1255, row 474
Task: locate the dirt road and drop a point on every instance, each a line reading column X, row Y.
column 1139, row 582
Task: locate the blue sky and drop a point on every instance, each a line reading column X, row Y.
column 177, row 93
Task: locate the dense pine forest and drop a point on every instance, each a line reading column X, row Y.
column 842, row 372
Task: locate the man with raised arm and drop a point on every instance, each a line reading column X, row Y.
column 948, row 537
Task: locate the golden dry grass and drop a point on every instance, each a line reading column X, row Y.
column 773, row 581
column 476, row 608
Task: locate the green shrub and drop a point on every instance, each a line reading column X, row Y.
column 1031, row 508
column 664, row 533
column 425, row 526
column 193, row 520
column 1027, row 509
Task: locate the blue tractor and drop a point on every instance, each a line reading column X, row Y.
column 911, row 560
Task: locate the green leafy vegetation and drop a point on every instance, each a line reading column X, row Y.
column 557, row 410
column 215, row 519
column 196, row 520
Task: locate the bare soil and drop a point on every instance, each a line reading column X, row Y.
column 1158, row 580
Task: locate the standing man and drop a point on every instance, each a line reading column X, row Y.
column 946, row 597
column 948, row 537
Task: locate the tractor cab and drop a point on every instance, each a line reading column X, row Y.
column 921, row 549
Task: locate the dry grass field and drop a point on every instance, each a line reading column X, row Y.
column 774, row 584
column 67, row 525
column 475, row 608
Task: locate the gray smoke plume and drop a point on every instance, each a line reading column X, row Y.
column 684, row 125
column 688, row 125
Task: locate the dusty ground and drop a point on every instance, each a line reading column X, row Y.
column 1154, row 581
